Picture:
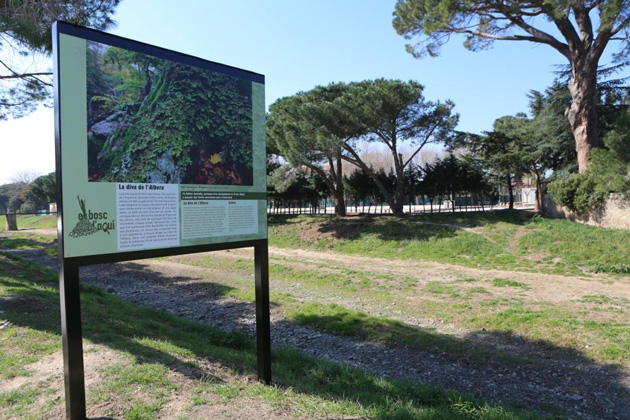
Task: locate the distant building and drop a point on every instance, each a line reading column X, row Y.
column 528, row 196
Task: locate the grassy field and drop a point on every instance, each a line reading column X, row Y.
column 588, row 314
column 596, row 322
column 502, row 239
column 149, row 362
column 557, row 286
column 32, row 222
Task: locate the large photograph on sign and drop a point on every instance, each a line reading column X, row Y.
column 157, row 149
column 151, row 120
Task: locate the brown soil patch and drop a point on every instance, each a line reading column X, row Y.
column 243, row 409
column 334, row 230
column 49, row 369
column 520, row 232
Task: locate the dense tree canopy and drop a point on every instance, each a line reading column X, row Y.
column 393, row 113
column 291, row 187
column 25, row 32
column 328, row 124
column 519, row 145
column 585, row 29
column 456, row 179
column 497, row 153
column 296, row 129
column 28, row 195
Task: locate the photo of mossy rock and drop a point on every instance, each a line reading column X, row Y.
column 152, row 120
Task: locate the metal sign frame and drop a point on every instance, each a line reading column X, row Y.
column 69, row 289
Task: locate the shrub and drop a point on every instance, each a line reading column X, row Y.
column 608, row 172
column 578, row 192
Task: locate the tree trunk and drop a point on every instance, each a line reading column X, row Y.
column 510, row 192
column 335, row 186
column 539, row 200
column 341, row 204
column 395, row 203
column 582, row 113
column 398, row 209
column 11, row 222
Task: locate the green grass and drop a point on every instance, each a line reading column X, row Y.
column 143, row 412
column 16, row 403
column 462, row 301
column 25, row 290
column 335, row 319
column 27, row 240
column 155, row 345
column 497, row 305
column 426, row 237
column 592, row 248
column 32, row 222
column 16, row 242
column 486, row 240
column 440, row 288
column 509, row 283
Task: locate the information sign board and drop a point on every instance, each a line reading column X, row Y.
column 157, row 149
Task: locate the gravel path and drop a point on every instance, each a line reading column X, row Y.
column 561, row 378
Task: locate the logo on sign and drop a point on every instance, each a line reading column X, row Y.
column 91, row 222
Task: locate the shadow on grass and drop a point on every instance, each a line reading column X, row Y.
column 535, row 374
column 422, row 227
column 385, row 228
column 477, row 219
column 22, row 243
column 294, row 372
column 157, row 336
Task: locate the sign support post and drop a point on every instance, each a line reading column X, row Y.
column 263, row 330
column 72, row 337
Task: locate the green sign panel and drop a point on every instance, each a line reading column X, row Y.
column 157, row 149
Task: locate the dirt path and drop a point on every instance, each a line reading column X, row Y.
column 550, row 287
column 553, row 288
column 555, row 377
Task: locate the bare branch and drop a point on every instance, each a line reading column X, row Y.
column 424, row 142
column 24, row 176
column 562, row 48
column 537, row 34
column 28, row 75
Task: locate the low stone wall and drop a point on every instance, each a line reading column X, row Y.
column 615, row 214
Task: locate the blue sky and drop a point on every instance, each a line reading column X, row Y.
column 300, row 44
